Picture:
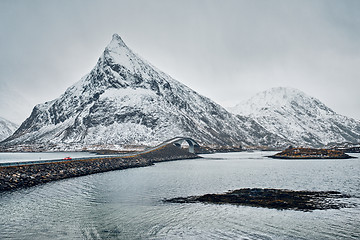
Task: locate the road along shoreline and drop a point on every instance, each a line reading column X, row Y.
column 27, row 175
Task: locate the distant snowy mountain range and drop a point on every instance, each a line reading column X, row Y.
column 6, row 128
column 301, row 119
column 125, row 100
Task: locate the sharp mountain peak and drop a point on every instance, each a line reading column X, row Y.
column 125, row 100
column 117, row 40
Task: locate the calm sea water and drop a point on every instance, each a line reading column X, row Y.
column 127, row 204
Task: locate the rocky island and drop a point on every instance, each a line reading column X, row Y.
column 272, row 198
column 311, row 153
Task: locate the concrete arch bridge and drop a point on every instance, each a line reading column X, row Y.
column 178, row 142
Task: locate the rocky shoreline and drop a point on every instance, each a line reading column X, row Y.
column 272, row 198
column 12, row 177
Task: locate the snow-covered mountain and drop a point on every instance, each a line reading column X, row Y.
column 300, row 118
column 125, row 100
column 6, row 128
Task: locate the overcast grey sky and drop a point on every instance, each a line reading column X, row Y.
column 225, row 50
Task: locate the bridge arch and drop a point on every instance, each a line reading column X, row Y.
column 178, row 141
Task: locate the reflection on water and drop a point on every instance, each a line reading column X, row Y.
column 127, row 204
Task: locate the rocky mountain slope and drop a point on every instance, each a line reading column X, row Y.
column 300, row 118
column 6, row 128
column 125, row 100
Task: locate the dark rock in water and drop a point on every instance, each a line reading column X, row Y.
column 311, row 153
column 273, row 198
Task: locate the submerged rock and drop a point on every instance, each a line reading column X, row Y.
column 273, row 198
